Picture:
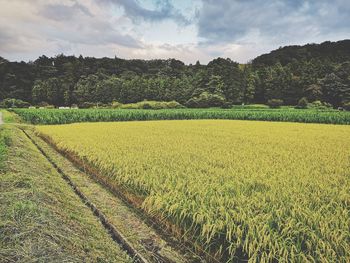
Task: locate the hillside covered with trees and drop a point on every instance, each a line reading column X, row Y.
column 318, row 72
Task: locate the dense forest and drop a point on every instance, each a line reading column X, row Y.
column 317, row 72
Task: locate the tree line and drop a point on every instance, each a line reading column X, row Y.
column 315, row 72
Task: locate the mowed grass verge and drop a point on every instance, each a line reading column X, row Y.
column 42, row 219
column 260, row 191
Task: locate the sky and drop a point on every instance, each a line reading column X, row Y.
column 188, row 30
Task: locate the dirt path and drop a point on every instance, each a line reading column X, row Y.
column 1, row 122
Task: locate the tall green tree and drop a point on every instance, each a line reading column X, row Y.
column 334, row 90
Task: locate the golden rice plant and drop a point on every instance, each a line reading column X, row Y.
column 262, row 191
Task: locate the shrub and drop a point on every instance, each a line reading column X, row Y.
column 250, row 106
column 346, row 106
column 206, row 100
column 302, row 103
column 49, row 107
column 128, row 106
column 154, row 105
column 327, row 105
column 316, row 104
column 14, row 103
column 42, row 104
column 116, row 105
column 146, row 105
column 256, row 106
column 101, row 106
column 275, row 103
column 87, row 105
column 227, row 105
column 74, row 106
column 319, row 105
column 174, row 105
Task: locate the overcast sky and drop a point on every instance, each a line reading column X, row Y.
column 183, row 29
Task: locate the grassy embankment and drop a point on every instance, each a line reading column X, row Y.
column 41, row 218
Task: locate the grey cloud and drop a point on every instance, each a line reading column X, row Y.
column 7, row 38
column 93, row 37
column 61, row 12
column 78, row 25
column 283, row 21
column 240, row 29
column 96, row 32
column 38, row 27
column 165, row 10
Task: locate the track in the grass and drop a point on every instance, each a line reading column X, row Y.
column 114, row 233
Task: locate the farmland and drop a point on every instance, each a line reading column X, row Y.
column 56, row 116
column 261, row 191
column 163, row 131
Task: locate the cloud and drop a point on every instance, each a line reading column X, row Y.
column 77, row 24
column 274, row 20
column 190, row 31
column 61, row 12
column 29, row 29
column 164, row 11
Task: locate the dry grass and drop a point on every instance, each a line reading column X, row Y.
column 41, row 218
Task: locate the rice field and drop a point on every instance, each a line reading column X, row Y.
column 57, row 116
column 257, row 191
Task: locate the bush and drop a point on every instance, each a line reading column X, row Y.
column 206, row 100
column 101, row 106
column 74, row 106
column 316, row 104
column 129, row 106
column 154, row 105
column 43, row 104
column 227, row 105
column 251, row 106
column 146, row 105
column 87, row 105
column 14, row 103
column 302, row 103
column 256, row 106
column 49, row 107
column 320, row 105
column 327, row 105
column 346, row 106
column 116, row 105
column 174, row 105
column 275, row 103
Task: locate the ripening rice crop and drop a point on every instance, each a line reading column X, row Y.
column 263, row 191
